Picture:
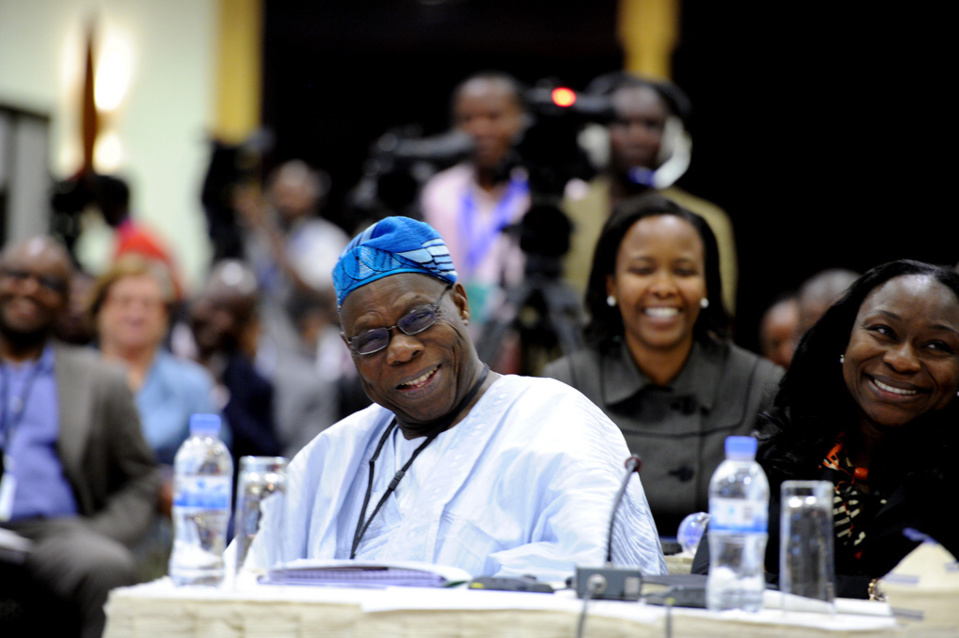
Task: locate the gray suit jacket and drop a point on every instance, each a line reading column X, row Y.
column 678, row 430
column 102, row 449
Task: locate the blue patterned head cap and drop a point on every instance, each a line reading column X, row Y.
column 388, row 247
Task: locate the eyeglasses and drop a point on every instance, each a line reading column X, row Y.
column 48, row 282
column 412, row 323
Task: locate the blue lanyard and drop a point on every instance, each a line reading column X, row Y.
column 479, row 240
column 10, row 422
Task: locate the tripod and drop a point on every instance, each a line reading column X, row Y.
column 546, row 311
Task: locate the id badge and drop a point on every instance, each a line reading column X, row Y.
column 8, row 487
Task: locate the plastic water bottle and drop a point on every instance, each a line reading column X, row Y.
column 738, row 523
column 202, row 494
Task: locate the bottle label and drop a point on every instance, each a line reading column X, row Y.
column 203, row 492
column 737, row 515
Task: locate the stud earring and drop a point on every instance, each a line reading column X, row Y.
column 704, row 303
column 611, row 301
column 842, row 359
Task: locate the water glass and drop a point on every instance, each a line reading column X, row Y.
column 806, row 567
column 260, row 484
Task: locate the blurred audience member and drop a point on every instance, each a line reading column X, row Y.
column 131, row 237
column 290, row 247
column 472, row 203
column 109, row 196
column 315, row 380
column 656, row 361
column 291, row 250
column 819, row 292
column 74, row 324
column 226, row 330
column 78, row 476
column 131, row 307
column 648, row 149
column 231, row 166
column 779, row 330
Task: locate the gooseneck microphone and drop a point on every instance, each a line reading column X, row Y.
column 608, row 582
column 633, row 464
column 626, row 582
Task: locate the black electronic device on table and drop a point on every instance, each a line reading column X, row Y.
column 496, row 583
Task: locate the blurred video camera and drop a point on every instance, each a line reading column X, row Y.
column 550, row 150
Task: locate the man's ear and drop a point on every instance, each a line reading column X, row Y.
column 460, row 298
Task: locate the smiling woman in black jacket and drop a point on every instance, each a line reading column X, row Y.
column 657, row 361
column 869, row 403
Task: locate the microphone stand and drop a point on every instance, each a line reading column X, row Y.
column 608, row 582
column 626, row 583
column 633, row 463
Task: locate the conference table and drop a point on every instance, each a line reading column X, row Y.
column 252, row 610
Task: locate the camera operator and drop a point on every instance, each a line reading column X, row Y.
column 648, row 149
column 471, row 203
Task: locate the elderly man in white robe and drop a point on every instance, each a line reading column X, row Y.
column 452, row 464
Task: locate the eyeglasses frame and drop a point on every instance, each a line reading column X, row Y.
column 435, row 306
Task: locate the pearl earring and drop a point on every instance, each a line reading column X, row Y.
column 611, row 301
column 842, row 359
column 704, row 303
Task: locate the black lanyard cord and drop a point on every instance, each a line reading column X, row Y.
column 362, row 525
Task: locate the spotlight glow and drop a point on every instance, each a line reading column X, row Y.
column 563, row 96
column 113, row 72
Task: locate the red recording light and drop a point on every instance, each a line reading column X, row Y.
column 563, row 96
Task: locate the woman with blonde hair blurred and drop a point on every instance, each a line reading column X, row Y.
column 131, row 305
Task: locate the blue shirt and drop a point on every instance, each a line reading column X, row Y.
column 29, row 430
column 524, row 484
column 174, row 389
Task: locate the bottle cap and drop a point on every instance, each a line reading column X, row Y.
column 206, row 424
column 741, row 447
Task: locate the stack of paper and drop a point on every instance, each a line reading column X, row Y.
column 925, row 586
column 354, row 573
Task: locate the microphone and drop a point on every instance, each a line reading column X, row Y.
column 633, row 464
column 608, row 582
column 626, row 583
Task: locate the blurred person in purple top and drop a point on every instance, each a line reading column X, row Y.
column 473, row 203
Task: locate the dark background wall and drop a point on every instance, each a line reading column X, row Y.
column 825, row 133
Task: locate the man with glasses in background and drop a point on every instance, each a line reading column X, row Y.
column 453, row 464
column 78, row 478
